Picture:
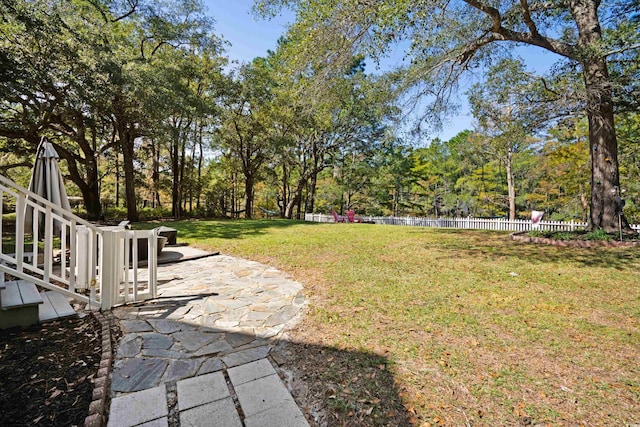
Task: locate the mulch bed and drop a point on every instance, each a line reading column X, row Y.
column 46, row 372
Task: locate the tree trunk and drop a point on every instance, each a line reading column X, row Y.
column 175, row 169
column 155, row 174
column 87, row 183
column 283, row 200
column 184, row 133
column 296, row 199
column 248, row 195
column 117, row 180
column 313, row 183
column 511, row 189
column 200, row 162
column 584, row 204
column 91, row 194
column 605, row 175
column 126, row 144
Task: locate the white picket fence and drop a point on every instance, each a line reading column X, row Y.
column 498, row 224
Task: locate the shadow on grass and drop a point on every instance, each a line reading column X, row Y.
column 224, row 228
column 492, row 245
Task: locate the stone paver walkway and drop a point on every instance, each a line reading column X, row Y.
column 200, row 351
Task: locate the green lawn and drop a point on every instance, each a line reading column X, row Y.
column 475, row 328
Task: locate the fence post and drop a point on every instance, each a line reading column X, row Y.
column 108, row 273
column 81, row 258
column 152, row 262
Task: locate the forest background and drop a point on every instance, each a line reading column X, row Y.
column 152, row 119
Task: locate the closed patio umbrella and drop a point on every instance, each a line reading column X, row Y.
column 46, row 181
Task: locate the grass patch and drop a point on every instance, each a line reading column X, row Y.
column 476, row 329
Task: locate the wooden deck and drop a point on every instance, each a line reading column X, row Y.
column 22, row 305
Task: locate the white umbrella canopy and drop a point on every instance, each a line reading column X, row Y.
column 46, row 181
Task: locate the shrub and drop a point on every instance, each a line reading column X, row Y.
column 598, row 235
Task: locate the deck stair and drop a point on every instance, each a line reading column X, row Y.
column 55, row 306
column 22, row 305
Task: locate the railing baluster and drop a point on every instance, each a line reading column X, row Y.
column 35, row 224
column 134, row 270
column 128, row 255
column 48, row 244
column 73, row 248
column 20, row 207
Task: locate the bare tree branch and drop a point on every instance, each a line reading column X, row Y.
column 6, row 167
column 500, row 33
column 622, row 49
column 526, row 15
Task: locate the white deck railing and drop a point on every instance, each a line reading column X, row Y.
column 499, row 224
column 90, row 264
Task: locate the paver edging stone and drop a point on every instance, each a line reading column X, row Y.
column 97, row 408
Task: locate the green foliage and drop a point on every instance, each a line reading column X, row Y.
column 598, row 235
column 99, row 76
column 443, row 40
column 147, row 214
column 595, row 235
column 563, row 235
column 139, row 107
column 563, row 171
column 536, row 233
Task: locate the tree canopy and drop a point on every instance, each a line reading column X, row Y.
column 149, row 115
column 444, row 39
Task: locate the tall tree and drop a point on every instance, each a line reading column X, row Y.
column 158, row 26
column 562, row 189
column 446, row 38
column 244, row 129
column 506, row 111
column 188, row 81
column 52, row 85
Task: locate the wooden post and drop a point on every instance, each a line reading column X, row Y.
column 108, row 274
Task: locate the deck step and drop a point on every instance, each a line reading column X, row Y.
column 55, row 306
column 19, row 302
column 19, row 293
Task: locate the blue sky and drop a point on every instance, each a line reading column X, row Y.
column 251, row 37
